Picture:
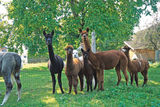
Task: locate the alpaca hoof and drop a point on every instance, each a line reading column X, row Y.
column 62, row 92
column 102, row 89
column 143, row 85
column 53, row 92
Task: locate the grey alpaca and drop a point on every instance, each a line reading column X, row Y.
column 10, row 64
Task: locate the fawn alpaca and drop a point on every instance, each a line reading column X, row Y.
column 74, row 68
column 88, row 71
column 105, row 60
column 55, row 63
column 136, row 66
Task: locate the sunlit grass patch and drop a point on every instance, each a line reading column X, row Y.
column 31, row 65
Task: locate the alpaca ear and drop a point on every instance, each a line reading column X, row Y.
column 87, row 29
column 52, row 32
column 88, row 50
column 44, row 32
column 129, row 48
column 80, row 30
column 82, row 50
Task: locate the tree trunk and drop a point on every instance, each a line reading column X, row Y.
column 93, row 42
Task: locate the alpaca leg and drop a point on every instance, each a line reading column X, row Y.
column 118, row 74
column 53, row 82
column 17, row 78
column 98, row 77
column 70, row 83
column 126, row 76
column 136, row 78
column 9, row 86
column 91, row 83
column 81, row 77
column 95, row 77
column 87, row 85
column 60, row 83
column 75, row 83
column 145, row 77
column 102, row 80
column 131, row 75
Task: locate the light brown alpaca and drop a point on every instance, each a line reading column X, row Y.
column 74, row 68
column 136, row 66
column 105, row 60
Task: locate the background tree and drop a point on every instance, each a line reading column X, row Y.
column 112, row 20
column 150, row 37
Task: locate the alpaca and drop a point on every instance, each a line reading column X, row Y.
column 88, row 71
column 73, row 69
column 105, row 60
column 75, row 54
column 10, row 64
column 136, row 66
column 55, row 63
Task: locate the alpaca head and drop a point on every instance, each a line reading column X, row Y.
column 75, row 54
column 69, row 49
column 84, row 33
column 126, row 49
column 85, row 54
column 48, row 37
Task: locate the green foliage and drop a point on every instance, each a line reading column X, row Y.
column 37, row 91
column 112, row 20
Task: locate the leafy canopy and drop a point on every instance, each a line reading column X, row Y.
column 112, row 20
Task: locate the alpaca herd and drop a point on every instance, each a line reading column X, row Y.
column 92, row 65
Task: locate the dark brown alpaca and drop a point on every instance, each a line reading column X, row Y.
column 105, row 60
column 55, row 63
column 136, row 66
column 89, row 71
column 74, row 68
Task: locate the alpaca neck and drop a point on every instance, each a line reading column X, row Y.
column 85, row 63
column 92, row 58
column 69, row 60
column 129, row 60
column 86, row 43
column 51, row 54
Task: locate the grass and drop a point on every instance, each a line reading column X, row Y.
column 37, row 91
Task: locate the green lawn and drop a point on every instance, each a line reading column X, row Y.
column 37, row 91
